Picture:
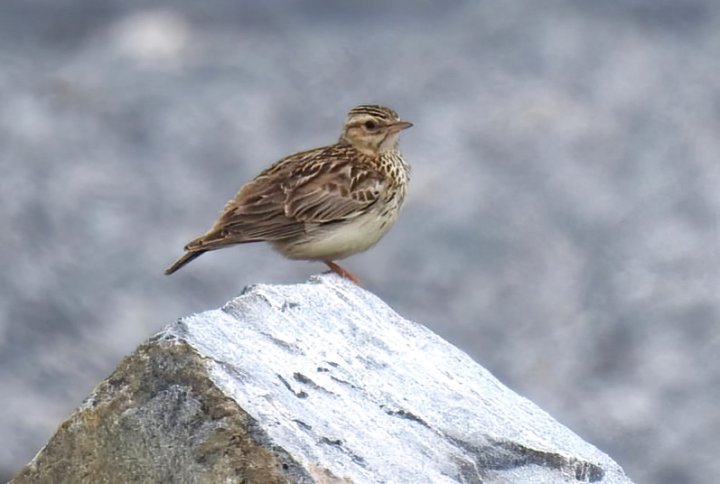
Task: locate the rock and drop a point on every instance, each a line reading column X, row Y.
column 312, row 383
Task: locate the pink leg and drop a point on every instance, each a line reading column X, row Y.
column 342, row 272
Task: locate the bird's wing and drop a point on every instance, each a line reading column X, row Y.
column 255, row 214
column 313, row 187
column 332, row 190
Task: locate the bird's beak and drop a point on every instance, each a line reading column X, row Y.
column 400, row 125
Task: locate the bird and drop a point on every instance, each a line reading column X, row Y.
column 323, row 204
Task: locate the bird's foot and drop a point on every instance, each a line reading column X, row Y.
column 342, row 272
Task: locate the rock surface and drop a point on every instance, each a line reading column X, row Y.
column 318, row 382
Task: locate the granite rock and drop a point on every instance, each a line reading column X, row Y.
column 319, row 382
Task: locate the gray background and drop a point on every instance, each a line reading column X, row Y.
column 562, row 225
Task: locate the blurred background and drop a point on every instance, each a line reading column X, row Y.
column 562, row 227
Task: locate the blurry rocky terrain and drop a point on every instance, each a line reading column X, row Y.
column 563, row 223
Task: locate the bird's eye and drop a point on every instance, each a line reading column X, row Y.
column 370, row 124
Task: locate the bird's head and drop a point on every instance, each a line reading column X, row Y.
column 372, row 128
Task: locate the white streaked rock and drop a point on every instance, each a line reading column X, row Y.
column 335, row 385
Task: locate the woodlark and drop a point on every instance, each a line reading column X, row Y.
column 323, row 204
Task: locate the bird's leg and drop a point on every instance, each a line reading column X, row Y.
column 342, row 272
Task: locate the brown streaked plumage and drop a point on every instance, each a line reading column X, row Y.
column 323, row 204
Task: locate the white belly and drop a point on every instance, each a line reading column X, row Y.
column 342, row 240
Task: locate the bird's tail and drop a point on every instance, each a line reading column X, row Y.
column 186, row 258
